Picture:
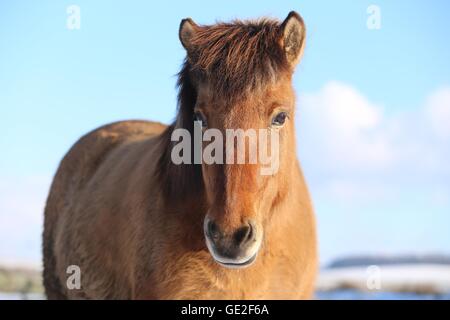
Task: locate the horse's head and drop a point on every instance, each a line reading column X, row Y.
column 240, row 75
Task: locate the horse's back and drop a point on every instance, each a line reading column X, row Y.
column 75, row 171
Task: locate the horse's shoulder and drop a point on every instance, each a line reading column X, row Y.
column 127, row 128
column 90, row 151
column 102, row 140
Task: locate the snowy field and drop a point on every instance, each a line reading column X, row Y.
column 421, row 278
column 350, row 294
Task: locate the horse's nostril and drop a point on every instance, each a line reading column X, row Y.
column 213, row 230
column 243, row 235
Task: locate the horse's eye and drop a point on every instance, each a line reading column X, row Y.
column 279, row 119
column 198, row 116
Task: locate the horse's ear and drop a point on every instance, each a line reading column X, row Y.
column 186, row 32
column 293, row 37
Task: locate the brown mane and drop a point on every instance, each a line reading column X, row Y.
column 185, row 179
column 237, row 57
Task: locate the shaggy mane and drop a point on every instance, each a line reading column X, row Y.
column 238, row 56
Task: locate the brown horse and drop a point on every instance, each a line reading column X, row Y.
column 139, row 226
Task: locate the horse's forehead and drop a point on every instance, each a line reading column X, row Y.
column 256, row 100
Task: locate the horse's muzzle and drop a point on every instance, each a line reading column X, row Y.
column 236, row 249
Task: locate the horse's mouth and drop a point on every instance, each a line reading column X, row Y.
column 239, row 264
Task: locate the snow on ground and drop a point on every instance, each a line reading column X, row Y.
column 418, row 278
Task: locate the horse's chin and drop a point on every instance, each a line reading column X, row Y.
column 238, row 264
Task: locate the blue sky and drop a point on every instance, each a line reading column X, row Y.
column 377, row 168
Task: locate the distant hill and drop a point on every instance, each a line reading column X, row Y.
column 367, row 260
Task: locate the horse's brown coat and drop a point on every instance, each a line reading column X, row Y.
column 132, row 220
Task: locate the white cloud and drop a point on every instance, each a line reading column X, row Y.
column 354, row 147
column 344, row 128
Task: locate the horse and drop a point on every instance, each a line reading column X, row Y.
column 136, row 225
